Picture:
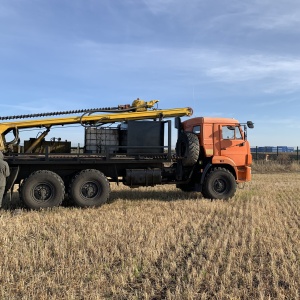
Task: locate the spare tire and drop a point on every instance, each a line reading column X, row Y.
column 188, row 148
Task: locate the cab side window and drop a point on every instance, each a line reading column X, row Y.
column 197, row 129
column 231, row 133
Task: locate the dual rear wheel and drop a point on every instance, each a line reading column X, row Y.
column 45, row 189
column 89, row 188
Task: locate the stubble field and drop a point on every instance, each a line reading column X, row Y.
column 159, row 243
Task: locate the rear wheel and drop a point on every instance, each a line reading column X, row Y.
column 89, row 188
column 219, row 183
column 42, row 189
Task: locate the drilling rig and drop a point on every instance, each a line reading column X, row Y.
column 212, row 155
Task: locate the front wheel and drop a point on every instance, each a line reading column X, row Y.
column 89, row 188
column 219, row 183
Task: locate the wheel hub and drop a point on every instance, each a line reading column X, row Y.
column 90, row 190
column 219, row 185
column 42, row 192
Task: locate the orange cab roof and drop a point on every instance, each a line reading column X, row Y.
column 212, row 120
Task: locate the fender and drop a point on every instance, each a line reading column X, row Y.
column 219, row 160
column 223, row 160
column 207, row 167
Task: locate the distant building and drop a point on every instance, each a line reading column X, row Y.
column 272, row 149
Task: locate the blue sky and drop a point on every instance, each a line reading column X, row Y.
column 231, row 58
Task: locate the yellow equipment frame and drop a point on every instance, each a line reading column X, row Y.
column 6, row 127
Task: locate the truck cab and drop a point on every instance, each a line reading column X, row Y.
column 224, row 158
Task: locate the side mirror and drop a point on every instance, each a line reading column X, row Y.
column 250, row 124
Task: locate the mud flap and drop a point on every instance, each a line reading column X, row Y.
column 10, row 182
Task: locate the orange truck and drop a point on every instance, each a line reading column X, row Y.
column 128, row 144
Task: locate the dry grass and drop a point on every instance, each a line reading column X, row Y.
column 159, row 243
column 275, row 166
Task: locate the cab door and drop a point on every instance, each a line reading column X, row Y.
column 232, row 144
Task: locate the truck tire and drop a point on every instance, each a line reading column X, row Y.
column 89, row 188
column 42, row 189
column 219, row 183
column 188, row 148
